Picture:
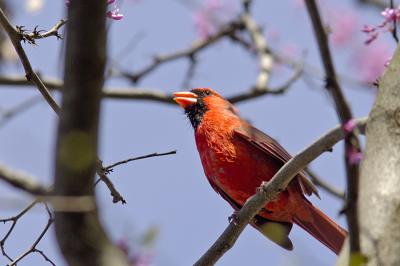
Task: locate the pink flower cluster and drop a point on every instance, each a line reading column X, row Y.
column 354, row 155
column 391, row 16
column 135, row 258
column 113, row 13
column 210, row 16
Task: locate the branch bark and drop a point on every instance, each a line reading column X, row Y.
column 80, row 235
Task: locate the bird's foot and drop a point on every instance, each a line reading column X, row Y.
column 233, row 218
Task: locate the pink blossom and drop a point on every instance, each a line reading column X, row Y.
column 368, row 29
column 387, row 63
column 391, row 14
column 349, row 126
column 210, row 16
column 114, row 14
column 369, row 61
column 344, row 26
column 354, row 156
column 371, row 37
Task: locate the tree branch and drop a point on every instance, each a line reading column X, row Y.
column 197, row 46
column 137, row 93
column 13, row 221
column 39, row 34
column 325, row 185
column 22, row 181
column 268, row 190
column 16, row 37
column 33, row 248
column 352, row 144
column 155, row 154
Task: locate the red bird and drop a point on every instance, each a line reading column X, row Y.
column 237, row 158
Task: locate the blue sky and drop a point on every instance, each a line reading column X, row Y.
column 171, row 193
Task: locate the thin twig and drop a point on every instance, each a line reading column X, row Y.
column 254, row 92
column 33, row 249
column 7, row 114
column 268, row 190
column 155, row 154
column 197, row 46
column 109, row 168
column 16, row 37
column 40, row 34
column 14, row 221
column 102, row 173
column 325, row 185
column 344, row 113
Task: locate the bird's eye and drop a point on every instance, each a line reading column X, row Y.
column 207, row 92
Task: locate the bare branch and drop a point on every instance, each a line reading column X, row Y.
column 260, row 44
column 381, row 4
column 16, row 37
column 6, row 115
column 197, row 46
column 155, row 154
column 136, row 93
column 13, row 221
column 39, row 34
column 22, row 181
column 325, row 185
column 344, row 113
column 254, row 92
column 33, row 248
column 102, row 173
column 268, row 190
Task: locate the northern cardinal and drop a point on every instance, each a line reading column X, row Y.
column 237, row 158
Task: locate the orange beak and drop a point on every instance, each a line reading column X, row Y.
column 185, row 98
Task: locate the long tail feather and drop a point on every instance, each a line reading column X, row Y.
column 323, row 229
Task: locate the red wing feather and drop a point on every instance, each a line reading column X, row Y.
column 272, row 148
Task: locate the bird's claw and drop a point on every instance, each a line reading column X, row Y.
column 233, row 218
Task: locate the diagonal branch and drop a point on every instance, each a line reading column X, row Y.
column 16, row 37
column 22, row 181
column 268, row 190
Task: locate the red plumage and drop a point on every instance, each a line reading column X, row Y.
column 237, row 158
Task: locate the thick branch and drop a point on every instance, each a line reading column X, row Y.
column 268, row 191
column 80, row 235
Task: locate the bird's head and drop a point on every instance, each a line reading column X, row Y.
column 199, row 101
